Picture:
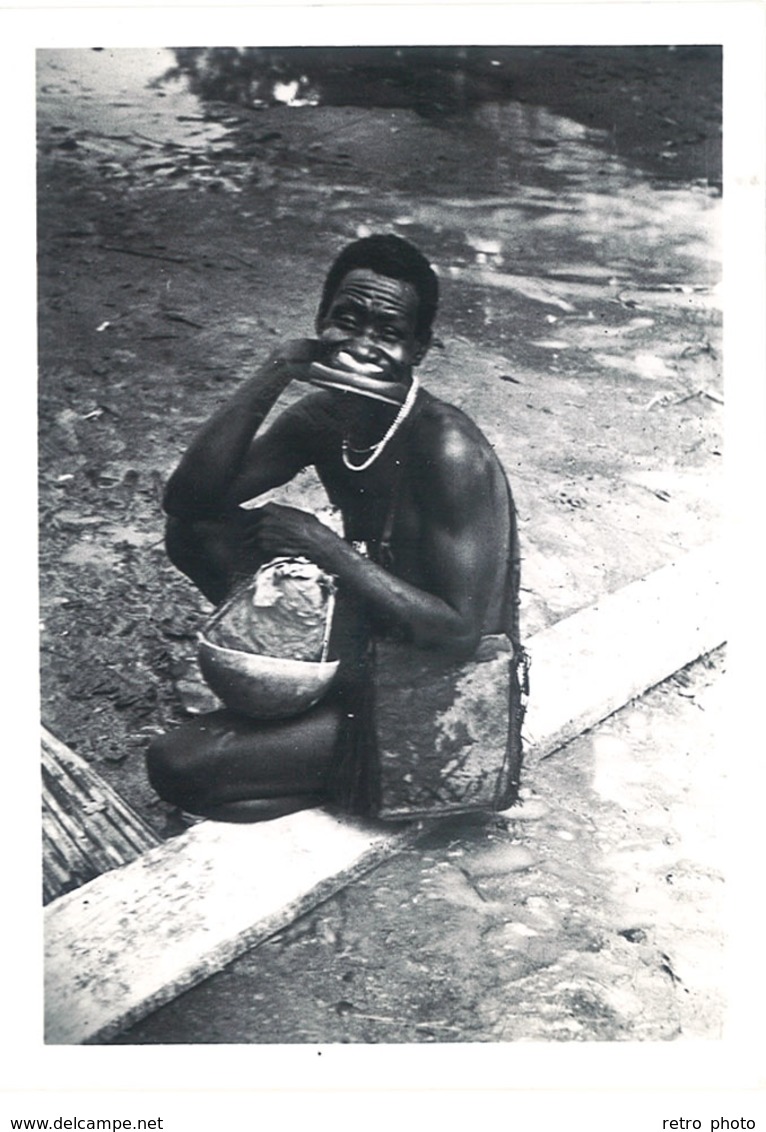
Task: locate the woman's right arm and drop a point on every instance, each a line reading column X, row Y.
column 205, row 484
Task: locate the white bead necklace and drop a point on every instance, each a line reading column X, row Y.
column 377, row 449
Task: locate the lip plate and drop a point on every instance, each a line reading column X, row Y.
column 392, row 393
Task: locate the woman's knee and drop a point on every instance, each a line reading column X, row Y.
column 174, row 773
column 222, row 757
column 176, row 539
column 185, row 543
column 198, row 550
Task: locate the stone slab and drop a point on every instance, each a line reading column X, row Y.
column 134, row 938
column 588, row 665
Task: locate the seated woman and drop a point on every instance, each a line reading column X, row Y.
column 415, row 480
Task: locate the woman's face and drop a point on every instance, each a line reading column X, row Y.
column 371, row 324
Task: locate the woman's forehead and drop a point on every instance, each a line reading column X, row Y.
column 367, row 286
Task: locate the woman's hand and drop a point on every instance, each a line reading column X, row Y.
column 295, row 356
column 276, row 530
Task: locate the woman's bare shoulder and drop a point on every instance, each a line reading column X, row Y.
column 447, row 435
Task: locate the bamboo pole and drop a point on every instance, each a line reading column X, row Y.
column 87, row 828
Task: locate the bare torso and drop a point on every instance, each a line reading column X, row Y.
column 391, row 502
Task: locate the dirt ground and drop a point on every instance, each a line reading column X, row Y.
column 585, row 341
column 592, row 913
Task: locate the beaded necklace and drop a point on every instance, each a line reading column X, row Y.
column 377, row 449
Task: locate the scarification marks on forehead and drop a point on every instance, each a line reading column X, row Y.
column 392, row 297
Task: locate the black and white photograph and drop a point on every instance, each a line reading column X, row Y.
column 382, row 594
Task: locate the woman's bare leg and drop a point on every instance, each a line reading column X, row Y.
column 229, row 767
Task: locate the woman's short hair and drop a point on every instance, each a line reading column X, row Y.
column 395, row 258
